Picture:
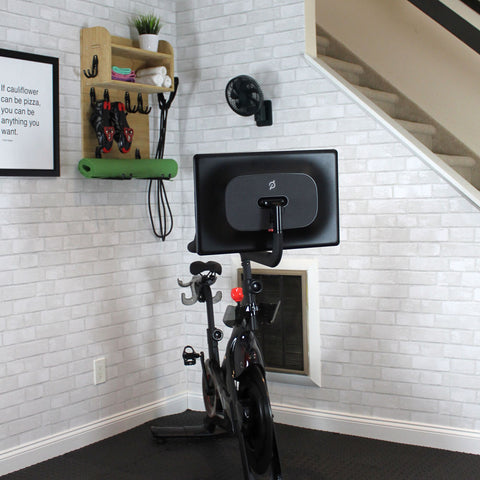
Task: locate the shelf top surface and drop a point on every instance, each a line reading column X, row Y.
column 125, row 50
column 128, row 86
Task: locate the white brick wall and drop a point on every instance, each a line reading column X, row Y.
column 400, row 294
column 81, row 275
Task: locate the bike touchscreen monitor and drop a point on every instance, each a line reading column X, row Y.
column 232, row 189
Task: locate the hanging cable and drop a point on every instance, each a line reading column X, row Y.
column 164, row 224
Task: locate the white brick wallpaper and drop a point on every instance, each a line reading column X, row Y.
column 81, row 275
column 399, row 296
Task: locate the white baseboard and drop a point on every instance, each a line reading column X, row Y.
column 195, row 401
column 425, row 435
column 433, row 436
column 60, row 443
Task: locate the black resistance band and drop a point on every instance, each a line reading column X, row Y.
column 164, row 212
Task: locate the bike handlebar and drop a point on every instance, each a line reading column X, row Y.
column 269, row 259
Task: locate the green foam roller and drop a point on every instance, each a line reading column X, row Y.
column 128, row 168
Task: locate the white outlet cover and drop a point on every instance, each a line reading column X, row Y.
column 99, row 371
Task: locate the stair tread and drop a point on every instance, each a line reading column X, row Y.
column 374, row 94
column 417, row 126
column 341, row 64
column 458, row 160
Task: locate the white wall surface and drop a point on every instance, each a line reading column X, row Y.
column 415, row 54
column 83, row 277
column 81, row 274
column 399, row 296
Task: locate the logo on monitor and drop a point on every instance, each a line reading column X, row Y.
column 272, row 185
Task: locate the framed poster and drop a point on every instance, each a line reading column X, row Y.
column 29, row 143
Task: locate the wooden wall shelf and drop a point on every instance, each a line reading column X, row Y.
column 121, row 52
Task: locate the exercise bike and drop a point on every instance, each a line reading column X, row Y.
column 256, row 204
column 235, row 391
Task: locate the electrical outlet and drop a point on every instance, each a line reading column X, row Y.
column 99, row 371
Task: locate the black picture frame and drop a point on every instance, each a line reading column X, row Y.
column 29, row 115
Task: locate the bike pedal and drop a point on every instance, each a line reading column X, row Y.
column 190, row 356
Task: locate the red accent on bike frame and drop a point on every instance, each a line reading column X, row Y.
column 237, row 294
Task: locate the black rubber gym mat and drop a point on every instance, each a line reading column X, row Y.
column 305, row 455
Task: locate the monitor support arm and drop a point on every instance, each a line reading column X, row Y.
column 271, row 259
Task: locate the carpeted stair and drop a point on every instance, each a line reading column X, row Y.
column 407, row 114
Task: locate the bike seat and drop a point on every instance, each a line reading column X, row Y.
column 199, row 267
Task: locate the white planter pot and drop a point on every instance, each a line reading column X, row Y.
column 148, row 41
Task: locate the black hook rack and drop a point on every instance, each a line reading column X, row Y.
column 93, row 96
column 128, row 106
column 94, row 71
column 140, row 107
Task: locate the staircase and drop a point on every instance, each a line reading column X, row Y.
column 407, row 115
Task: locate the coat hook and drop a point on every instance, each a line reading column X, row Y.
column 140, row 107
column 128, row 106
column 94, row 72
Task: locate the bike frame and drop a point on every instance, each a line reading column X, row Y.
column 243, row 355
column 242, row 352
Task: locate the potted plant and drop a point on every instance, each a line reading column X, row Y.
column 148, row 27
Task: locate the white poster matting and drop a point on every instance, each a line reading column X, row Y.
column 26, row 114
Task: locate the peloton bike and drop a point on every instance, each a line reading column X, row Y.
column 257, row 205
